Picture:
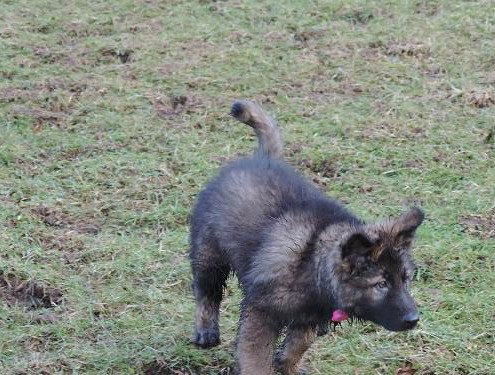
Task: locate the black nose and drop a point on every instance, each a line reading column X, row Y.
column 411, row 319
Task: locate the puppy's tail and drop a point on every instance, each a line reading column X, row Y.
column 266, row 129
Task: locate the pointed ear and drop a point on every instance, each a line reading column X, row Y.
column 404, row 227
column 357, row 244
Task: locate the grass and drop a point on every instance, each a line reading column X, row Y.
column 113, row 116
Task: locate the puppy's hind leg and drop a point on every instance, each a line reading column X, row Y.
column 209, row 279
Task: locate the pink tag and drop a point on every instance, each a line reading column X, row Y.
column 339, row 316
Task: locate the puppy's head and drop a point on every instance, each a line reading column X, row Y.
column 375, row 272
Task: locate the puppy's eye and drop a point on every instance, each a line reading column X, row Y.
column 382, row 284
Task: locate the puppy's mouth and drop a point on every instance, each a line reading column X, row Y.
column 339, row 316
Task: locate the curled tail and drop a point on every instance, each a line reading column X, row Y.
column 266, row 129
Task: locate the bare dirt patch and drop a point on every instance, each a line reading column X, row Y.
column 320, row 171
column 365, row 189
column 325, row 168
column 479, row 225
column 411, row 49
column 51, row 102
column 350, row 89
column 30, row 293
column 158, row 367
column 434, row 71
column 294, row 149
column 378, row 50
column 13, row 94
column 414, row 164
column 69, row 244
column 55, row 218
column 110, row 55
column 303, row 37
column 480, row 99
column 428, row 7
column 39, row 113
column 476, row 97
column 406, row 369
column 171, row 106
column 391, row 129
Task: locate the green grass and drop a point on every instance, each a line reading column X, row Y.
column 384, row 103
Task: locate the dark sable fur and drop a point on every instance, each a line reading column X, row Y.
column 298, row 256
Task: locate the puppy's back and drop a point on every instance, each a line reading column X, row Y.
column 240, row 205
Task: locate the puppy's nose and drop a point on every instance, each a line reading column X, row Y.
column 411, row 319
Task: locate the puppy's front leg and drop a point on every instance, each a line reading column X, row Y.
column 297, row 341
column 255, row 343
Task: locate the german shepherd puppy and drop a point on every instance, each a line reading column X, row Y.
column 299, row 257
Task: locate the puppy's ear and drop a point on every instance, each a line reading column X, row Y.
column 403, row 228
column 358, row 244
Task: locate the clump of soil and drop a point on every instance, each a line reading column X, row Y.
column 324, row 168
column 54, row 218
column 158, row 367
column 30, row 293
column 481, row 99
column 479, row 225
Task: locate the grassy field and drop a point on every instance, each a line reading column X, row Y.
column 113, row 115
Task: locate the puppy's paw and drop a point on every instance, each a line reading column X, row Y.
column 206, row 338
column 284, row 368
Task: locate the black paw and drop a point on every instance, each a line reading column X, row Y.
column 206, row 339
